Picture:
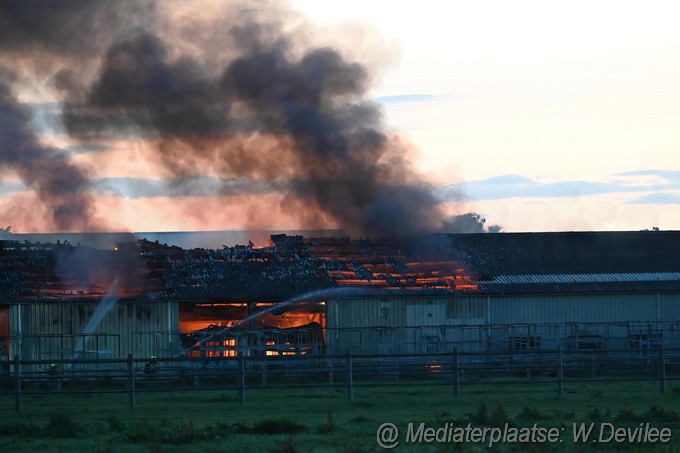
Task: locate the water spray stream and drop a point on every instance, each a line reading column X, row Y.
column 306, row 297
column 103, row 308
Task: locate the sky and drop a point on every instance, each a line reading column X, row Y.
column 550, row 115
column 539, row 116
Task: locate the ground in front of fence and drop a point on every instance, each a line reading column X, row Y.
column 322, row 419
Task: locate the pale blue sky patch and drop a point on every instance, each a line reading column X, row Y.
column 408, row 98
column 86, row 148
column 9, row 188
column 518, row 186
column 670, row 175
column 200, row 186
column 658, row 198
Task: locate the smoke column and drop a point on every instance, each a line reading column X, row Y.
column 35, row 38
column 60, row 185
column 239, row 95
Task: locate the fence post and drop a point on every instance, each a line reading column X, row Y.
column 662, row 370
column 528, row 361
column 348, row 379
column 17, row 383
column 242, row 377
column 456, row 372
column 60, row 380
column 264, row 368
column 560, row 372
column 593, row 365
column 131, row 381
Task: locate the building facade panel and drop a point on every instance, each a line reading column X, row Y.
column 507, row 322
column 562, row 308
column 50, row 331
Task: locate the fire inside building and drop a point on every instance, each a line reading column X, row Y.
column 474, row 292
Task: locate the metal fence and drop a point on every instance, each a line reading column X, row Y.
column 458, row 356
column 350, row 371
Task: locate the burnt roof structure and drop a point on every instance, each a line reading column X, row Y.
column 572, row 261
column 503, row 263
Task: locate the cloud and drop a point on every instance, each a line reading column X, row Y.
column 493, row 188
column 658, row 198
column 670, row 175
column 510, row 180
column 514, row 186
column 407, row 98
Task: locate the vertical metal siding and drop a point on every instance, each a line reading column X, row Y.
column 364, row 327
column 573, row 308
column 669, row 307
column 54, row 330
column 407, row 311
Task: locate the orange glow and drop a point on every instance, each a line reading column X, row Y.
column 215, row 348
column 190, row 326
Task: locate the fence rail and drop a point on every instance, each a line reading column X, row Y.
column 247, row 373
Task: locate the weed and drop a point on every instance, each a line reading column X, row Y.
column 269, row 427
column 480, row 417
column 660, row 415
column 287, row 446
column 530, row 414
column 330, row 426
column 596, row 415
column 61, row 426
column 143, row 432
column 215, row 432
column 116, row 424
column 184, row 433
column 18, row 430
column 499, row 417
column 360, row 419
column 103, row 447
column 570, row 415
column 347, row 447
column 278, row 426
column 627, row 416
column 242, row 427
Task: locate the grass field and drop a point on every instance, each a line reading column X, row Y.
column 317, row 420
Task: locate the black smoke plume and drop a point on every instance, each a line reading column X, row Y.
column 36, row 36
column 241, row 95
column 68, row 28
column 60, row 185
column 333, row 150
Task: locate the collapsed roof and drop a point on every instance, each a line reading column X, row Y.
column 294, row 265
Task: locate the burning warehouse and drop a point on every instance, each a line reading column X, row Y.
column 496, row 292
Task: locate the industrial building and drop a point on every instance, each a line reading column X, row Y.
column 577, row 290
column 474, row 292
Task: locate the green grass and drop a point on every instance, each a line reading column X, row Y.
column 317, row 420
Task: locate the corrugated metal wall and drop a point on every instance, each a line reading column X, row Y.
column 55, row 330
column 437, row 324
column 404, row 324
column 406, row 311
column 669, row 307
column 573, row 308
column 370, row 325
